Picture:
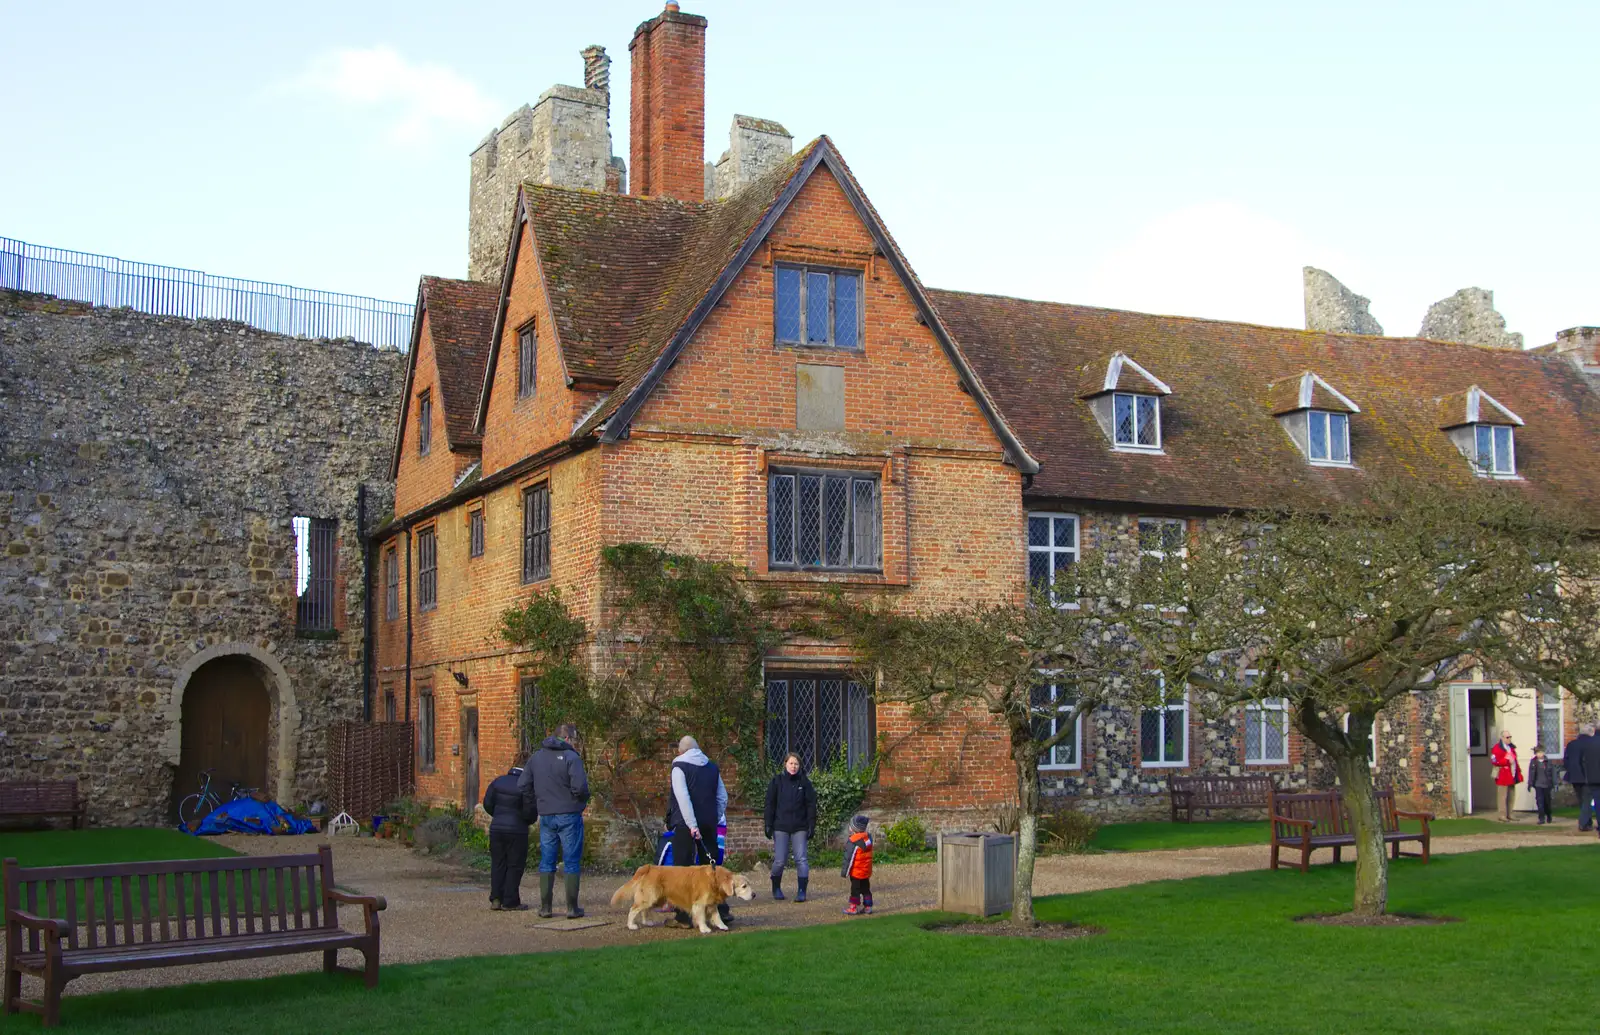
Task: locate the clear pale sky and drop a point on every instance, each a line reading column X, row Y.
column 1174, row 157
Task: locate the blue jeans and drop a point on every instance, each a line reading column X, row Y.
column 782, row 844
column 561, row 833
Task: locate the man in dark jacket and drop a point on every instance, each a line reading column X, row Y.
column 1576, row 774
column 1588, row 759
column 558, row 788
column 698, row 798
column 508, row 840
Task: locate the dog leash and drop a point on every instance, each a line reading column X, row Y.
column 711, row 856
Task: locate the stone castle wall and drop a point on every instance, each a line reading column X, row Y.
column 149, row 470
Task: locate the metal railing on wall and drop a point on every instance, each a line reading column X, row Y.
column 172, row 291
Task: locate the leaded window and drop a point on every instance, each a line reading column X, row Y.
column 475, row 533
column 818, row 717
column 1496, row 452
column 1328, row 436
column 1161, row 538
column 1052, row 706
column 820, row 520
column 424, row 423
column 536, row 533
column 391, row 584
column 817, row 307
column 427, row 570
column 1136, row 420
column 1266, row 731
column 527, row 361
column 1550, row 722
column 1164, row 732
column 1052, row 549
column 427, row 730
column 528, row 728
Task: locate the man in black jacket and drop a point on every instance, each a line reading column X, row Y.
column 558, row 788
column 1582, row 762
column 508, row 840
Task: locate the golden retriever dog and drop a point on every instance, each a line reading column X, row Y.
column 698, row 890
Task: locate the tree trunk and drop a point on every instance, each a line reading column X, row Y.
column 1372, row 865
column 1024, row 753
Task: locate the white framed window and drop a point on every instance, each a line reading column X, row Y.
column 1372, row 741
column 1052, row 551
column 1328, row 436
column 1550, row 722
column 1161, row 538
column 1136, row 420
column 1051, row 705
column 1164, row 732
column 1495, row 452
column 1266, row 729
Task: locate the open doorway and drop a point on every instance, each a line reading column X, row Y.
column 1491, row 710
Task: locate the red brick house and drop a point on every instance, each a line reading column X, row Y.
column 763, row 379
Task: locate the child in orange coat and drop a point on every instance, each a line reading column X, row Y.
column 858, row 867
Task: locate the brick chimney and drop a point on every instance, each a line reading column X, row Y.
column 667, row 125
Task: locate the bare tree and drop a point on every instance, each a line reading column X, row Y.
column 1343, row 612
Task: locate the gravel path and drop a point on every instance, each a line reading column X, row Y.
column 439, row 911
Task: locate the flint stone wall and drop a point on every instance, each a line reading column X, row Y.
column 1469, row 316
column 149, row 469
column 1332, row 307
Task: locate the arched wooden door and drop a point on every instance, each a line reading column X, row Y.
column 225, row 714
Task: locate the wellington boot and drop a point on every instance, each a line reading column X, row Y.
column 800, row 896
column 547, row 890
column 573, row 909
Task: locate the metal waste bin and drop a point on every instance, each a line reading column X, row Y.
column 977, row 873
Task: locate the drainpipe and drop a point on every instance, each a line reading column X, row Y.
column 408, row 623
column 366, row 602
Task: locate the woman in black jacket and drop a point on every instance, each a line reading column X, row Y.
column 791, row 821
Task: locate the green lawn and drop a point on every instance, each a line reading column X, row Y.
column 1205, row 955
column 1159, row 835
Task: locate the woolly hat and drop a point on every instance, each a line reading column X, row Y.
column 859, row 823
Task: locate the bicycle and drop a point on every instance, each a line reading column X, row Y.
column 203, row 802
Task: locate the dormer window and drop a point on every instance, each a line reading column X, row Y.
column 1495, row 453
column 1483, row 430
column 1138, row 420
column 1125, row 399
column 1316, row 417
column 1329, row 436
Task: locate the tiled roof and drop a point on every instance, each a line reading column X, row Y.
column 1221, row 445
column 460, row 319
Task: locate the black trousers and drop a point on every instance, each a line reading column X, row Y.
column 861, row 888
column 1541, row 798
column 508, row 858
column 687, row 852
column 1586, row 793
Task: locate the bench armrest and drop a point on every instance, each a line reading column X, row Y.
column 1304, row 824
column 1425, row 817
column 45, row 925
column 370, row 904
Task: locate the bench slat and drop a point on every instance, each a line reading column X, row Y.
column 283, row 924
column 69, row 891
column 127, row 911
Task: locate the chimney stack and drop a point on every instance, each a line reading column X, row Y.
column 596, row 69
column 667, row 138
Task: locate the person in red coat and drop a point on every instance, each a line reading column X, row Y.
column 1507, row 772
column 858, row 867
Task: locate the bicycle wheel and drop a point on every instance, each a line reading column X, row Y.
column 189, row 810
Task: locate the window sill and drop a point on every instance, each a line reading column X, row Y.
column 535, row 581
column 423, row 609
column 316, row 634
column 1346, row 464
column 1123, row 447
column 1493, row 477
column 1164, row 765
column 1261, row 763
column 804, row 576
column 817, row 346
column 1061, row 768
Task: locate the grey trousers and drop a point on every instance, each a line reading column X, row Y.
column 782, row 843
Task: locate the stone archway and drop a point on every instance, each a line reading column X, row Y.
column 285, row 709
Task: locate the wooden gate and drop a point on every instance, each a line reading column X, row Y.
column 226, row 709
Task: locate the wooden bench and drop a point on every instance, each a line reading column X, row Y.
column 63, row 921
column 42, row 799
column 1217, row 792
column 1306, row 822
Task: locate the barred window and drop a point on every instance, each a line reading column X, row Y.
column 388, row 704
column 427, row 731
column 424, row 423
column 528, row 728
column 391, row 584
column 817, row 306
column 823, row 521
column 527, row 361
column 316, row 556
column 536, row 533
column 427, row 570
column 475, row 533
column 818, row 717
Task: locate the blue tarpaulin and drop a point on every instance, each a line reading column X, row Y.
column 248, row 816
